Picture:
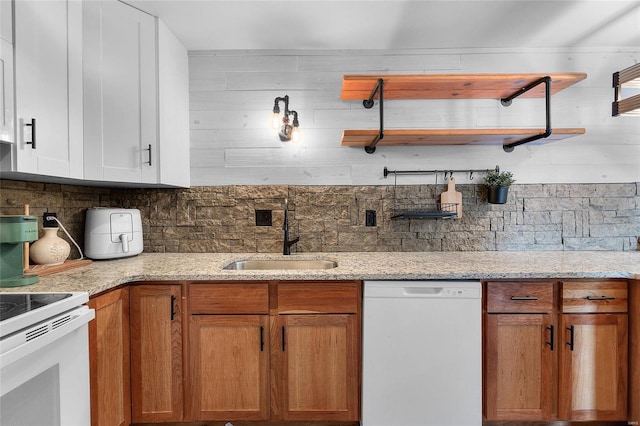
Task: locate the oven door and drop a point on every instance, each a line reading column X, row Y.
column 45, row 378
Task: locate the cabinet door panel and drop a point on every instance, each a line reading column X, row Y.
column 593, row 366
column 6, row 21
column 156, row 353
column 519, row 367
column 6, row 92
column 109, row 359
column 317, row 356
column 230, row 367
column 119, row 92
column 46, row 82
column 173, row 109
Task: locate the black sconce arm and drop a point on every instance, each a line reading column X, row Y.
column 276, row 106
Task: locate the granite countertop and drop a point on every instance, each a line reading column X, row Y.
column 102, row 275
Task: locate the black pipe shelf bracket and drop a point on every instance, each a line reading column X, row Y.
column 368, row 103
column 509, row 147
column 547, row 95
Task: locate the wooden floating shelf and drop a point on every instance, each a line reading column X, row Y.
column 451, row 136
column 453, row 86
column 504, row 87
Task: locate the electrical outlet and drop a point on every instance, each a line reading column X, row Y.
column 46, row 223
column 264, row 218
column 370, row 218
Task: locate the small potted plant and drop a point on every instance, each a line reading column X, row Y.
column 497, row 184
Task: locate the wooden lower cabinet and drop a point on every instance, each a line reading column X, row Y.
column 257, row 351
column 519, row 360
column 109, row 359
column 229, row 367
column 274, row 351
column 315, row 367
column 634, row 351
column 156, row 353
column 568, row 364
column 593, row 367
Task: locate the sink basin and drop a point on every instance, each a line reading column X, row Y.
column 266, row 264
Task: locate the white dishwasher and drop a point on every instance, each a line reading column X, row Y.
column 422, row 353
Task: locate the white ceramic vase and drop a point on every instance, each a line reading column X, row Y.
column 49, row 249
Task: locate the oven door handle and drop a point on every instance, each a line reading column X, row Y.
column 36, row 337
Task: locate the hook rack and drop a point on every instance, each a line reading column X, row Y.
column 434, row 211
column 450, row 172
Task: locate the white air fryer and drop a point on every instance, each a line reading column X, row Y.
column 112, row 233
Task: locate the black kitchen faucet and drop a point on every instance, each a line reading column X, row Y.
column 287, row 244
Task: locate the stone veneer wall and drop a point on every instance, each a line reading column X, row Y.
column 332, row 218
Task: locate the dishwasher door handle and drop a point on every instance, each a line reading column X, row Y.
column 422, row 291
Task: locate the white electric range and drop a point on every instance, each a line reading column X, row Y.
column 44, row 359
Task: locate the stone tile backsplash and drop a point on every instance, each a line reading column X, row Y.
column 332, row 218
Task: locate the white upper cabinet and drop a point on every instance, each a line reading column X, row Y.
column 120, row 93
column 6, row 74
column 6, row 21
column 173, row 73
column 136, row 98
column 101, row 94
column 48, row 88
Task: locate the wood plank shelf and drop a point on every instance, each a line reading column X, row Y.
column 451, row 136
column 453, row 86
column 504, row 87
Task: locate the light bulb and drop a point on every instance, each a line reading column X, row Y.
column 275, row 120
column 295, row 136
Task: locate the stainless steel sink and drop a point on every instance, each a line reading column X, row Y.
column 266, row 264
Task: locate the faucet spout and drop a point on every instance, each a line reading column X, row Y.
column 287, row 245
column 286, row 249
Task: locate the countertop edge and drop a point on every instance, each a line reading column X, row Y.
column 103, row 275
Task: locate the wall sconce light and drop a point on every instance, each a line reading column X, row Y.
column 627, row 81
column 287, row 129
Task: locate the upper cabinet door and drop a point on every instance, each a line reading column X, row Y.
column 48, row 92
column 120, row 93
column 173, row 94
column 6, row 21
column 6, row 73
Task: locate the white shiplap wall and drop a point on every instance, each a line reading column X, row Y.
column 232, row 93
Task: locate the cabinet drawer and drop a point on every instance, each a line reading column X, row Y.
column 594, row 296
column 229, row 298
column 320, row 297
column 522, row 297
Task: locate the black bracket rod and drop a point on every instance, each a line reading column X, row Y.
column 368, row 103
column 387, row 172
column 547, row 93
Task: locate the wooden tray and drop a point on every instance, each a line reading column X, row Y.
column 42, row 270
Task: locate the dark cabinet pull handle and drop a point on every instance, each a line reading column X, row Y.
column 149, row 149
column 600, row 298
column 571, row 337
column 173, row 307
column 551, row 337
column 261, row 338
column 33, row 133
column 524, row 298
column 283, row 338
